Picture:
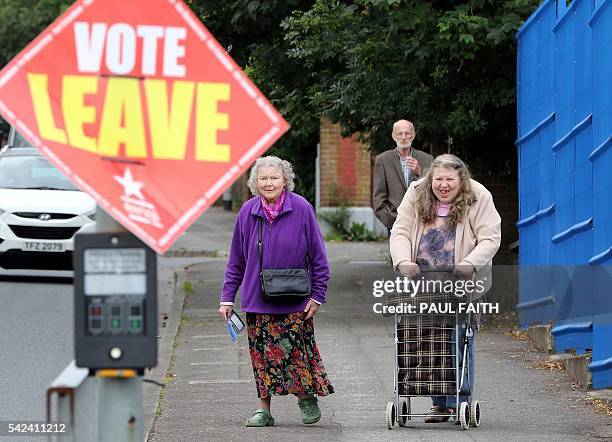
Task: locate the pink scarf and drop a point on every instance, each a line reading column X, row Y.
column 272, row 210
column 443, row 209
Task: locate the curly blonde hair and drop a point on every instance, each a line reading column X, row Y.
column 271, row 161
column 426, row 199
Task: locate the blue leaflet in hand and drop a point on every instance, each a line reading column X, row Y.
column 232, row 331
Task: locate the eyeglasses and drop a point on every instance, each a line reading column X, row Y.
column 404, row 134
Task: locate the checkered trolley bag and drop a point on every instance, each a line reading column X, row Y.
column 426, row 350
column 427, row 360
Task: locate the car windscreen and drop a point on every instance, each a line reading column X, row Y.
column 19, row 141
column 31, row 172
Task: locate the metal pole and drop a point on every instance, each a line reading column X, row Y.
column 120, row 410
column 106, row 223
column 120, row 416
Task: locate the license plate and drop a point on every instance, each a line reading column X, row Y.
column 43, row 246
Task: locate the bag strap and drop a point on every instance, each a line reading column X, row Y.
column 260, row 250
column 259, row 247
column 306, row 260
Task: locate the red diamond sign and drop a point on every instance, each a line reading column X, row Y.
column 139, row 105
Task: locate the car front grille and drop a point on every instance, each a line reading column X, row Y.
column 51, row 215
column 44, row 232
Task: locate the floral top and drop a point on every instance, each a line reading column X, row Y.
column 437, row 245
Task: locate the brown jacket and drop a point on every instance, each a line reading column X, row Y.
column 477, row 237
column 389, row 183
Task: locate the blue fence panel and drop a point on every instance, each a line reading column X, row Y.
column 573, row 321
column 565, row 64
column 601, row 159
column 583, row 71
column 529, row 193
column 563, row 148
column 601, row 364
column 601, row 24
column 573, row 288
column 546, row 48
column 527, row 103
column 546, row 227
column 563, row 249
column 530, row 152
column 583, row 182
column 536, row 104
column 537, row 303
column 535, row 95
column 547, row 168
column 564, row 103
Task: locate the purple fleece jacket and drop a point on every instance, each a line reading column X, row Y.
column 292, row 236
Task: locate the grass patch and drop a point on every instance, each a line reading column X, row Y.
column 185, row 319
column 168, row 379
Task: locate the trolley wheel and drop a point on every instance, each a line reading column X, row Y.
column 475, row 414
column 405, row 409
column 390, row 415
column 464, row 415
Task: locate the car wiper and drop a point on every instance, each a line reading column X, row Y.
column 39, row 188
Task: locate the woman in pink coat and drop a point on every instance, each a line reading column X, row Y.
column 447, row 219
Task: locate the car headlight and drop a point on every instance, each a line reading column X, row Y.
column 91, row 215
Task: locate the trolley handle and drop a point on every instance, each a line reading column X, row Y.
column 441, row 269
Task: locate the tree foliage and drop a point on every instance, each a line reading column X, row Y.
column 448, row 66
column 251, row 31
column 22, row 20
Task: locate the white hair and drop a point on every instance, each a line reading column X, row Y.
column 271, row 161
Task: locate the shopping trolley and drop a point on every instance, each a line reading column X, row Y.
column 431, row 353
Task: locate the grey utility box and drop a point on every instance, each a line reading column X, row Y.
column 115, row 302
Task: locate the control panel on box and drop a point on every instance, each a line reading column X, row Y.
column 115, row 302
column 115, row 316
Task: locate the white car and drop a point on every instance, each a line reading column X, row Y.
column 40, row 211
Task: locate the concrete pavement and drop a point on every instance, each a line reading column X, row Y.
column 210, row 390
column 209, row 236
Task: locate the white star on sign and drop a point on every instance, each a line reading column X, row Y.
column 130, row 187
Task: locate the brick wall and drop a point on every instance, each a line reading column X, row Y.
column 345, row 166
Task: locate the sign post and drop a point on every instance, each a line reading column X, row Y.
column 139, row 105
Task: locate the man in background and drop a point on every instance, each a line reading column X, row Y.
column 394, row 170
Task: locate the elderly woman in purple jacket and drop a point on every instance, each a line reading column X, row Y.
column 283, row 351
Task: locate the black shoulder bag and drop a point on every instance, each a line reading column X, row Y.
column 281, row 285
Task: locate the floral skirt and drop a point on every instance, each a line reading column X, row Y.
column 284, row 355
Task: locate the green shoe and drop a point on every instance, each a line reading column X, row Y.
column 310, row 410
column 261, row 418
